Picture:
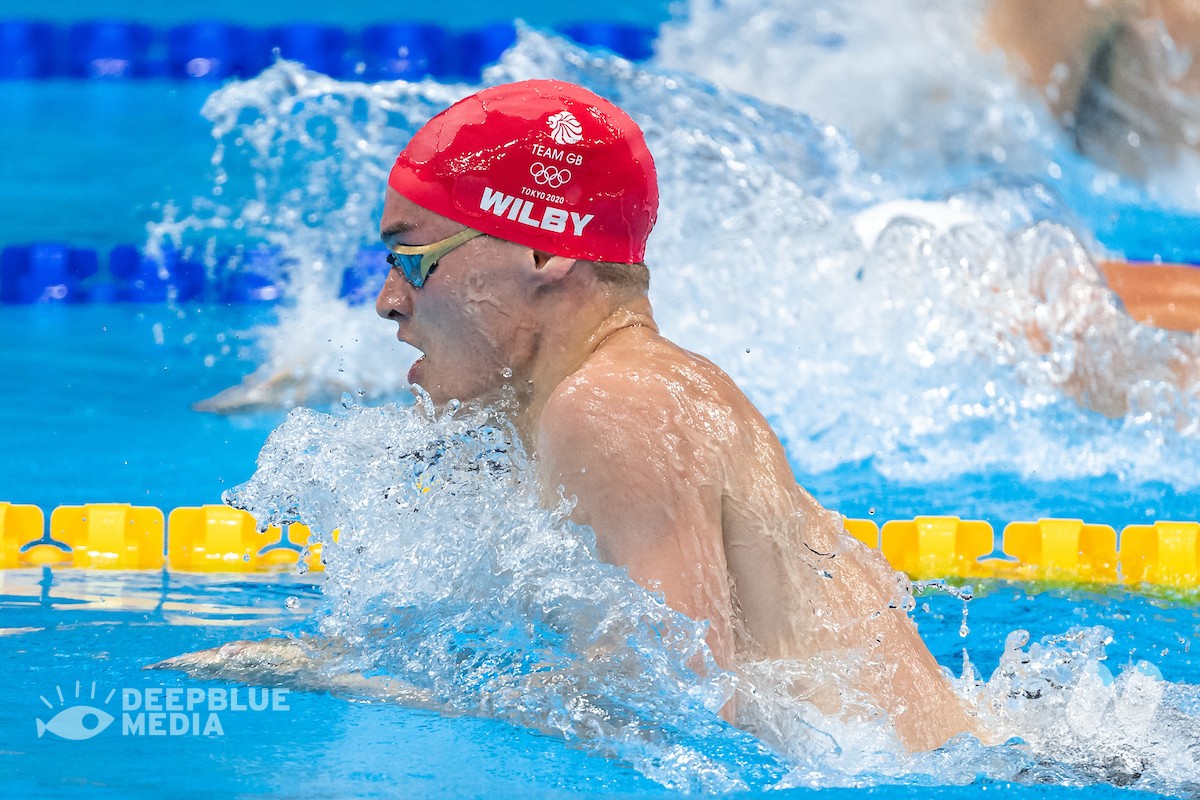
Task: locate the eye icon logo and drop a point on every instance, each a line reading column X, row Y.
column 564, row 128
column 77, row 722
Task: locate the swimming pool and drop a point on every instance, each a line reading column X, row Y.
column 910, row 396
column 321, row 745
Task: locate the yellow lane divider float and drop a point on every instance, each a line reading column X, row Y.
column 211, row 538
column 1165, row 554
column 216, row 538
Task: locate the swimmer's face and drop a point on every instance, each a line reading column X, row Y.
column 471, row 319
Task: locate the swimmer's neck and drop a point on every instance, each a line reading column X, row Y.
column 569, row 337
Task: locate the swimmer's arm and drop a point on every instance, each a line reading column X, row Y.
column 647, row 497
column 306, row 666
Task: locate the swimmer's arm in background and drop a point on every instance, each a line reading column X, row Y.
column 645, row 493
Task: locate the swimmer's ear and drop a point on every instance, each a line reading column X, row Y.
column 549, row 268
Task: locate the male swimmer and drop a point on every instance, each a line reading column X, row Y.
column 517, row 221
column 1120, row 75
column 1123, row 78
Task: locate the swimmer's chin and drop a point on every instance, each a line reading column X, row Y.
column 501, row 396
column 429, row 390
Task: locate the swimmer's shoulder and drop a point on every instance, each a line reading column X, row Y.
column 625, row 382
column 642, row 390
column 635, row 390
column 619, row 420
column 642, row 356
column 641, row 368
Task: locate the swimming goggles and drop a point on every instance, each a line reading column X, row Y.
column 417, row 262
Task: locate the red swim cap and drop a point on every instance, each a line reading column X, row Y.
column 541, row 163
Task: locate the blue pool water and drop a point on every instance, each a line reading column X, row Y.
column 100, row 406
column 898, row 375
column 89, row 162
column 76, row 627
column 314, row 748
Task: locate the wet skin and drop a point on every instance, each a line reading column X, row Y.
column 681, row 478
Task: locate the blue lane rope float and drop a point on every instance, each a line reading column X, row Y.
column 215, row 50
column 216, row 538
column 53, row 272
column 45, row 272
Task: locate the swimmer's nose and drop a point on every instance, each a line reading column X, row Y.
column 395, row 298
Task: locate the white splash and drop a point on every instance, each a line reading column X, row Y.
column 933, row 353
column 924, row 96
column 447, row 575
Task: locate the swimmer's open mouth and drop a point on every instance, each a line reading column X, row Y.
column 414, row 370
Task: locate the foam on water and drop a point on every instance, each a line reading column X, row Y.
column 448, row 576
column 903, row 78
column 1084, row 725
column 926, row 99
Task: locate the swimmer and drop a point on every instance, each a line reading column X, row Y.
column 1120, row 75
column 517, row 221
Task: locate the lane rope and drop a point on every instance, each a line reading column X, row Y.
column 217, row 538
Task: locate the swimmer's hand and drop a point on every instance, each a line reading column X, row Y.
column 246, row 661
column 288, row 662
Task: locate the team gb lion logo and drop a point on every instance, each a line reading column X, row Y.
column 564, row 128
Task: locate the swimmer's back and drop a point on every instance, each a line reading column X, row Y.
column 706, row 437
column 789, row 584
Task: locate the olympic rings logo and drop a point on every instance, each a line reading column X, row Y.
column 549, row 175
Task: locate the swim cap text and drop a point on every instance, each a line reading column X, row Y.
column 556, row 154
column 525, row 211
